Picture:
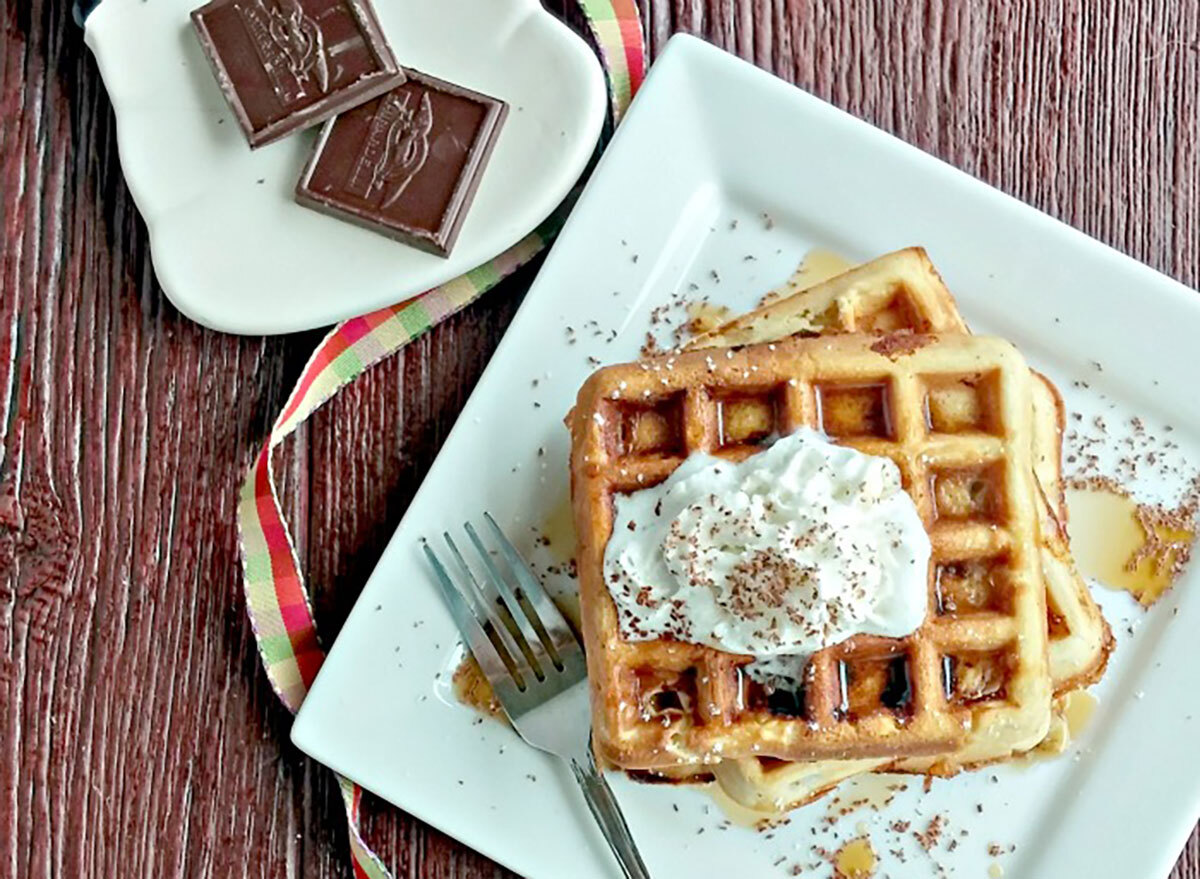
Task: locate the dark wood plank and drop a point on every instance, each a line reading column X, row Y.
column 138, row 734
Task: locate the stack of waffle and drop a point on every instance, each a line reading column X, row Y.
column 880, row 360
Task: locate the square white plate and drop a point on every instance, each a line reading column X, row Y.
column 710, row 146
column 231, row 247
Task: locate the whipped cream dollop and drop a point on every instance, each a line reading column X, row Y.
column 794, row 549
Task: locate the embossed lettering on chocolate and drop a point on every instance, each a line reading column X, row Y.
column 284, row 65
column 406, row 164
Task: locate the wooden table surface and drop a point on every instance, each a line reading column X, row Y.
column 138, row 736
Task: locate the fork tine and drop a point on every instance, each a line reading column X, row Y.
column 468, row 623
column 562, row 637
column 469, row 595
column 485, row 612
column 524, row 624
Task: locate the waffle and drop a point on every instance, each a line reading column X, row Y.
column 1078, row 650
column 979, row 669
column 902, row 291
column 775, row 786
column 896, row 292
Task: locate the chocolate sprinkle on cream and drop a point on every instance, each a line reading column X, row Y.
column 790, row 551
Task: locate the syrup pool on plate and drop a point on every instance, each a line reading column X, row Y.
column 556, row 532
column 1127, row 546
column 1073, row 714
column 855, row 860
column 704, row 317
column 1078, row 708
column 818, row 266
column 472, row 689
column 873, row 791
column 738, row 814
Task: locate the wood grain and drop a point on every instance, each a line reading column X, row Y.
column 137, row 733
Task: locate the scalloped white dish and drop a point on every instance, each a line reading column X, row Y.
column 231, row 247
column 734, row 222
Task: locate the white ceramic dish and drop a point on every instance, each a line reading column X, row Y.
column 710, row 141
column 232, row 249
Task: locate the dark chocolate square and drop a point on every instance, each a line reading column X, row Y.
column 406, row 164
column 284, row 65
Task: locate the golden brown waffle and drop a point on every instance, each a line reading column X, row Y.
column 983, row 667
column 1079, row 642
column 898, row 291
column 1080, row 637
column 901, row 291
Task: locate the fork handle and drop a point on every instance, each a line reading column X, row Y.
column 608, row 815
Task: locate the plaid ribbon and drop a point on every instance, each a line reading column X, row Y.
column 276, row 599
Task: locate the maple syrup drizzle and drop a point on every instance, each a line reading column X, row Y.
column 818, row 266
column 1077, row 710
column 738, row 814
column 1124, row 545
column 1073, row 714
column 855, row 860
column 874, row 791
column 557, row 531
column 704, row 317
column 556, row 535
column 472, row 689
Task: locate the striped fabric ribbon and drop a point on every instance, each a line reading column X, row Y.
column 276, row 598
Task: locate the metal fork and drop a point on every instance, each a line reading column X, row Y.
column 535, row 665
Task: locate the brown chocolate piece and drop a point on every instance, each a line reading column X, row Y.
column 284, row 65
column 406, row 164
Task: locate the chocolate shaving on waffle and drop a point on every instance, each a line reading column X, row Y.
column 869, row 697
